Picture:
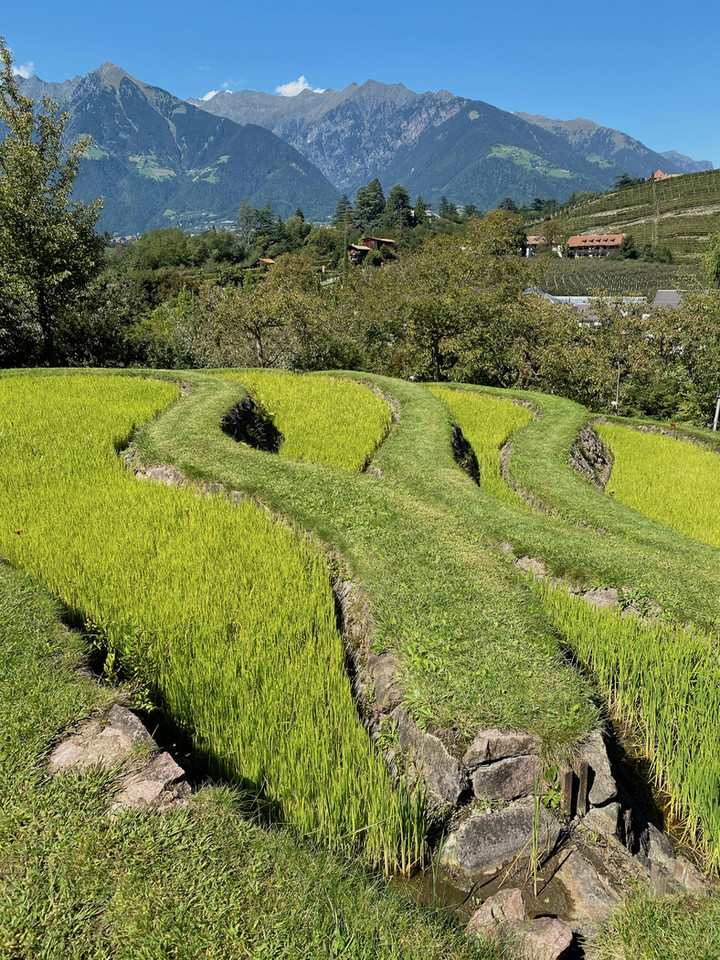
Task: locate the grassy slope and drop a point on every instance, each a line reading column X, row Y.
column 630, row 551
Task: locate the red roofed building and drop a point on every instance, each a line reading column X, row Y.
column 594, row 245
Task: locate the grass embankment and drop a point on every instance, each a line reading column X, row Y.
column 200, row 882
column 222, row 611
column 661, row 677
column 666, row 477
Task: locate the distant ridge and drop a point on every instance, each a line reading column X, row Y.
column 159, row 162
column 390, row 132
column 597, row 144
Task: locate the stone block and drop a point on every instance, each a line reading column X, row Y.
column 491, row 745
column 489, row 839
column 507, row 779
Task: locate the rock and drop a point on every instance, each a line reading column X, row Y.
column 383, row 671
column 531, row 565
column 689, row 877
column 106, row 744
column 487, row 840
column 162, row 474
column 607, row 820
column 594, row 897
column 443, row 774
column 507, row 779
column 158, row 785
column 603, row 599
column 491, row 745
column 546, row 939
column 502, row 918
column 503, row 906
column 603, row 787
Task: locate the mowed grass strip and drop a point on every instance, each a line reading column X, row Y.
column 226, row 613
column 323, row 419
column 487, row 424
column 668, row 478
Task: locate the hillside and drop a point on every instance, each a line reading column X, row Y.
column 482, row 154
column 678, row 213
column 604, row 146
column 160, row 162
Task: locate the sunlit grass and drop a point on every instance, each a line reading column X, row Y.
column 487, row 424
column 323, row 419
column 667, row 478
column 226, row 613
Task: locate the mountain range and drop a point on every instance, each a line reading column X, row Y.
column 160, row 161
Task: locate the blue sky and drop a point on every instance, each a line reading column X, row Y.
column 649, row 69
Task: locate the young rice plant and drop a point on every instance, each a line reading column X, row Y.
column 224, row 612
column 323, row 419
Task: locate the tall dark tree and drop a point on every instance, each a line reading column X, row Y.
column 420, row 211
column 398, row 214
column 343, row 206
column 370, row 206
column 49, row 250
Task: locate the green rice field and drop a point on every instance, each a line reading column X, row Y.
column 668, row 478
column 336, row 422
column 487, row 423
column 225, row 613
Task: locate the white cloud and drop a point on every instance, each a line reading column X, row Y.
column 295, row 87
column 24, row 70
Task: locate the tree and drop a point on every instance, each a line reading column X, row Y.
column 447, row 210
column 624, row 181
column 420, row 212
column 343, row 206
column 49, row 250
column 508, row 204
column 711, row 260
column 369, row 206
column 627, row 249
column 398, row 214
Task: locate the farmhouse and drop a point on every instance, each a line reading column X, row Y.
column 594, row 245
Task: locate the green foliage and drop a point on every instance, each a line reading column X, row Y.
column 624, row 181
column 369, row 206
column 710, row 262
column 49, row 250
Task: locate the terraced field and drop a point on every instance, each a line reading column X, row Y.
column 227, row 614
